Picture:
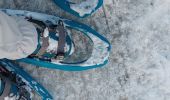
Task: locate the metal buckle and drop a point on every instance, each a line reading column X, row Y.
column 60, row 57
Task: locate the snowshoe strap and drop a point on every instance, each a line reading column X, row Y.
column 61, row 43
column 60, row 29
column 62, row 40
column 7, row 88
column 38, row 24
column 44, row 46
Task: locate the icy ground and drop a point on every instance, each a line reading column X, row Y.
column 139, row 67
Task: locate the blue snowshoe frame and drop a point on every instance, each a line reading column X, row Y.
column 86, row 30
column 65, row 5
column 9, row 65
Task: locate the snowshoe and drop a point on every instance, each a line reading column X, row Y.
column 57, row 47
column 16, row 84
column 81, row 8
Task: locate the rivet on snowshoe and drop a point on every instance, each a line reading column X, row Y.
column 60, row 57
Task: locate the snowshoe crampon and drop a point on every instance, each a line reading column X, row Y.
column 16, row 84
column 58, row 49
column 79, row 8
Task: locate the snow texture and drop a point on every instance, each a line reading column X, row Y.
column 138, row 69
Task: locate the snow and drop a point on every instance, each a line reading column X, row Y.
column 138, row 68
column 149, row 44
column 53, row 44
column 84, row 6
column 46, row 32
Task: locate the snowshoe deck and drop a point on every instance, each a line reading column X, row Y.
column 98, row 56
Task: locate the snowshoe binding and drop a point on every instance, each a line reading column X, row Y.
column 81, row 8
column 16, row 84
column 12, row 86
column 58, row 49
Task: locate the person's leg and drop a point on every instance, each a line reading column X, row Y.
column 18, row 37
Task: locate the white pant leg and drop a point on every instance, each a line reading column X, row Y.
column 18, row 37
